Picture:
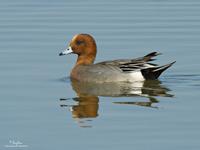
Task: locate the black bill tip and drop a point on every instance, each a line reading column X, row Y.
column 61, row 54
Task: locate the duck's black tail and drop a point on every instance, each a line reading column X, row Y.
column 155, row 72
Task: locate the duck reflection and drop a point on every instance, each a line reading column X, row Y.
column 86, row 107
column 87, row 100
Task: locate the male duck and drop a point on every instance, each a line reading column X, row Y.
column 122, row 70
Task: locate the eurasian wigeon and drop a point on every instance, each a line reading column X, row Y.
column 125, row 70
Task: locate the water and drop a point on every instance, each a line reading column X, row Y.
column 37, row 95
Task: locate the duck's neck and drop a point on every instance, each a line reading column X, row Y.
column 85, row 59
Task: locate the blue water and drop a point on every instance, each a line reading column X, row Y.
column 39, row 106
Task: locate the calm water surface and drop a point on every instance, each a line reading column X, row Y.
column 42, row 109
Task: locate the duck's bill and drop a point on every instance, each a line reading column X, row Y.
column 67, row 51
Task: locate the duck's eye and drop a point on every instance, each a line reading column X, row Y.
column 79, row 42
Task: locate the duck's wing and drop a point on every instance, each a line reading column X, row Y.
column 148, row 70
column 133, row 64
